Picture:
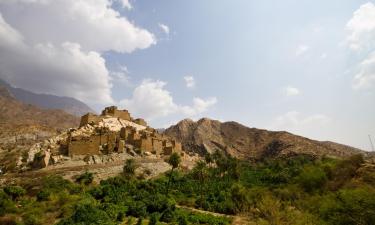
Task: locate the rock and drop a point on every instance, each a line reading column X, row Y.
column 148, row 153
column 97, row 159
column 41, row 159
column 132, row 153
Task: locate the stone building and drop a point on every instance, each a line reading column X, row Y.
column 103, row 140
column 112, row 111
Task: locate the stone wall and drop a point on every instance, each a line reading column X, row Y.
column 114, row 112
column 141, row 122
column 84, row 146
column 89, row 118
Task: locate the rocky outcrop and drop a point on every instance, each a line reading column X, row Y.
column 242, row 142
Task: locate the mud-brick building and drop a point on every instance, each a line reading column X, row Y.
column 125, row 131
column 89, row 118
column 112, row 111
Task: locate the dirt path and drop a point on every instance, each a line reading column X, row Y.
column 236, row 220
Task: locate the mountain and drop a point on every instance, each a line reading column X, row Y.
column 242, row 142
column 22, row 125
column 45, row 101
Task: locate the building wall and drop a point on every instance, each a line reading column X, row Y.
column 114, row 112
column 157, row 146
column 140, row 121
column 146, row 144
column 89, row 118
column 86, row 146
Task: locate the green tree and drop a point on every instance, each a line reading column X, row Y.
column 87, row 214
column 129, row 168
column 174, row 160
column 200, row 173
column 239, row 197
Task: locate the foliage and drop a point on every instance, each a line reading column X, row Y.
column 14, row 191
column 296, row 190
column 129, row 168
column 85, row 178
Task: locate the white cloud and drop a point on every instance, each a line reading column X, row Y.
column 199, row 106
column 295, row 122
column 291, row 91
column 189, row 81
column 93, row 24
column 121, row 75
column 8, row 35
column 365, row 78
column 125, row 4
column 55, row 46
column 302, row 49
column 362, row 28
column 151, row 100
column 361, row 39
column 164, row 28
column 45, row 68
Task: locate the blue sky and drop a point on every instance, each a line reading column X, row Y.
column 307, row 67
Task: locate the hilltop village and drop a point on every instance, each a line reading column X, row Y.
column 113, row 131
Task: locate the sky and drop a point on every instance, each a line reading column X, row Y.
column 307, row 67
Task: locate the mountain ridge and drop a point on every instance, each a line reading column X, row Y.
column 48, row 101
column 235, row 139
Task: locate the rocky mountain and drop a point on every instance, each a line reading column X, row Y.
column 242, row 142
column 45, row 101
column 22, row 125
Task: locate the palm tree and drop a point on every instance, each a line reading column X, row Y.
column 174, row 160
column 129, row 168
column 200, row 173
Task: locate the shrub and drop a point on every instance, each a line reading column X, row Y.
column 43, row 195
column 6, row 204
column 153, row 219
column 88, row 214
column 312, row 178
column 350, row 207
column 14, row 191
column 85, row 178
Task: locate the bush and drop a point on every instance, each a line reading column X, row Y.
column 88, row 214
column 85, row 178
column 14, row 191
column 312, row 178
column 6, row 204
column 153, row 219
column 43, row 195
column 32, row 219
column 350, row 207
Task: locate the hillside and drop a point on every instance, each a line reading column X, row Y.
column 22, row 125
column 45, row 101
column 242, row 142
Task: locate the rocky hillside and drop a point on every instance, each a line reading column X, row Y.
column 243, row 142
column 45, row 101
column 22, row 125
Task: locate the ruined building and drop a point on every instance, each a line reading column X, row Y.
column 114, row 131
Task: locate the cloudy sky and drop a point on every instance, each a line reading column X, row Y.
column 304, row 66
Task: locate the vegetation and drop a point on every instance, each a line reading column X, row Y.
column 296, row 190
